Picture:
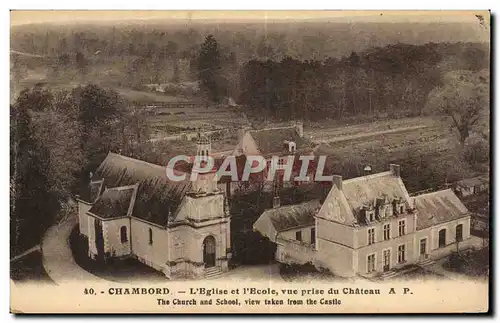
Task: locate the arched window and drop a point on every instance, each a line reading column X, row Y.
column 150, row 236
column 442, row 238
column 123, row 234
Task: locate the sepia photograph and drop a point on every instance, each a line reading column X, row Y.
column 250, row 161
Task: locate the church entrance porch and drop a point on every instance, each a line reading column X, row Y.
column 209, row 251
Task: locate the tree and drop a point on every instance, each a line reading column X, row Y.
column 37, row 99
column 96, row 105
column 31, row 203
column 209, row 69
column 463, row 98
column 99, row 112
column 58, row 130
column 81, row 62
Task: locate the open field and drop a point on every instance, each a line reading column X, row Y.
column 429, row 156
column 325, row 132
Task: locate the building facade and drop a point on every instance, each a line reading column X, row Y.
column 369, row 226
column 131, row 209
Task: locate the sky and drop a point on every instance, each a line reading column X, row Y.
column 20, row 17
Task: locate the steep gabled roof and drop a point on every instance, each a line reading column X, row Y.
column 114, row 202
column 438, row 207
column 118, row 170
column 156, row 197
column 91, row 191
column 336, row 208
column 273, row 221
column 361, row 191
column 272, row 141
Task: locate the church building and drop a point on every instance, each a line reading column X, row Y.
column 131, row 209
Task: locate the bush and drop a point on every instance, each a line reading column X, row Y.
column 477, row 151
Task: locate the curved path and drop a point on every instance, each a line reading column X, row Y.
column 57, row 257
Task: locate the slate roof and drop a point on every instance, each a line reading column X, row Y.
column 272, row 141
column 362, row 191
column 114, row 202
column 91, row 191
column 156, row 195
column 438, row 207
column 292, row 216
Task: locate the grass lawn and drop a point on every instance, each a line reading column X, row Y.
column 474, row 263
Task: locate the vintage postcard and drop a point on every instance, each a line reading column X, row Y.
column 249, row 161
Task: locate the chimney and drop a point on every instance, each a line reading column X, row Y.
column 299, row 127
column 337, row 181
column 276, row 202
column 395, row 169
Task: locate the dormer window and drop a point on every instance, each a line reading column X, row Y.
column 382, row 211
column 290, row 145
column 370, row 215
column 388, row 211
column 399, row 206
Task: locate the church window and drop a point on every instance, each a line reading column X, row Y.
column 150, row 236
column 123, row 234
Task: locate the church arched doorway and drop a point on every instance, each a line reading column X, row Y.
column 209, row 251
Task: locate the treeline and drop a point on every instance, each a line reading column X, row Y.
column 56, row 139
column 301, row 40
column 393, row 81
column 163, row 52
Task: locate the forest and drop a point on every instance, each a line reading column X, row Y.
column 393, row 81
column 56, row 139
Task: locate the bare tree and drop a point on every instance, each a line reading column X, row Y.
column 464, row 99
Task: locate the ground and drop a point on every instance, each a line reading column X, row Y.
column 419, row 273
column 118, row 270
column 249, row 273
column 307, row 273
column 471, row 263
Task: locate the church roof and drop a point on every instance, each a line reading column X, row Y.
column 272, row 141
column 156, row 195
column 114, row 202
column 438, row 207
column 91, row 191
